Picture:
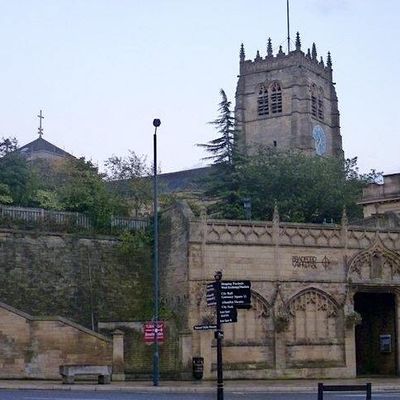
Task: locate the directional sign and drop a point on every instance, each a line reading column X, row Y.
column 225, row 285
column 234, row 293
column 204, row 327
column 228, row 315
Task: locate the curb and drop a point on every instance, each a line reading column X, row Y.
column 179, row 389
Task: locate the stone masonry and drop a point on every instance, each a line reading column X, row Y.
column 304, row 279
column 35, row 347
column 281, row 99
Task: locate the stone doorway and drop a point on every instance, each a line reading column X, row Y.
column 376, row 339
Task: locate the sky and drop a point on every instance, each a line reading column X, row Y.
column 102, row 70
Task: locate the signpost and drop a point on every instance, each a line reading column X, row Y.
column 227, row 297
column 219, row 335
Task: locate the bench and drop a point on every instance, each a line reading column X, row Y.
column 68, row 372
column 344, row 388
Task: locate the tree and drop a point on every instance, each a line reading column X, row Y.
column 84, row 190
column 16, row 175
column 305, row 188
column 8, row 145
column 130, row 175
column 222, row 182
column 129, row 167
column 222, row 148
column 16, row 180
column 5, row 194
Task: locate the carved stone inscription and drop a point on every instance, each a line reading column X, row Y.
column 309, row 262
column 305, row 262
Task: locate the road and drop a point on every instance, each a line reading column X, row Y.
column 113, row 395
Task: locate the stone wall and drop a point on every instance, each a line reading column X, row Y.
column 175, row 279
column 304, row 277
column 138, row 356
column 78, row 277
column 383, row 200
column 84, row 278
column 34, row 348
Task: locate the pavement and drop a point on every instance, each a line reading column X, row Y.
column 255, row 386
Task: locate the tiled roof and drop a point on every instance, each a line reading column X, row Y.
column 41, row 144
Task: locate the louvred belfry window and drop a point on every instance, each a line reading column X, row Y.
column 317, row 102
column 263, row 103
column 276, row 98
column 321, row 104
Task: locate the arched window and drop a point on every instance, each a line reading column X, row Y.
column 253, row 326
column 263, row 101
column 314, row 316
column 276, row 98
column 317, row 102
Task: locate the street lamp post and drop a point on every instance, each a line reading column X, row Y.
column 156, row 357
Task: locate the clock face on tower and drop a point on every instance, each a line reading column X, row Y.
column 320, row 140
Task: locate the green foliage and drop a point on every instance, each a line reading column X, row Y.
column 130, row 167
column 133, row 242
column 5, row 194
column 135, row 252
column 222, row 148
column 48, row 200
column 17, row 176
column 84, row 190
column 306, row 189
column 131, row 177
column 8, row 145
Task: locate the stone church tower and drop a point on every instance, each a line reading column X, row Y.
column 288, row 101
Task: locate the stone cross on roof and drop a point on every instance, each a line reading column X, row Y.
column 40, row 130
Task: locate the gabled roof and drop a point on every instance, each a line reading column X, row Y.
column 42, row 145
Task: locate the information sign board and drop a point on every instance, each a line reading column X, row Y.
column 150, row 328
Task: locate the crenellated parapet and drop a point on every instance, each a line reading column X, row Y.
column 281, row 60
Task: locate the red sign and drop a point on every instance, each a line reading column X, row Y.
column 153, row 330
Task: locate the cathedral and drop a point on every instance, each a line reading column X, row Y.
column 325, row 297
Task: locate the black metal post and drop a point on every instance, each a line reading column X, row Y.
column 156, row 357
column 369, row 391
column 219, row 336
column 320, row 391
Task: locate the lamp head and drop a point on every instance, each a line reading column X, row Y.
column 156, row 123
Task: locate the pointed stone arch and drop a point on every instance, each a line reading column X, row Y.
column 254, row 326
column 313, row 295
column 376, row 264
column 314, row 316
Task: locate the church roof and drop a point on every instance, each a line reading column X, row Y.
column 42, row 145
column 186, row 180
column 189, row 180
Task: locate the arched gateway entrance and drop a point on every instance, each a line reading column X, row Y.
column 374, row 279
column 376, row 336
